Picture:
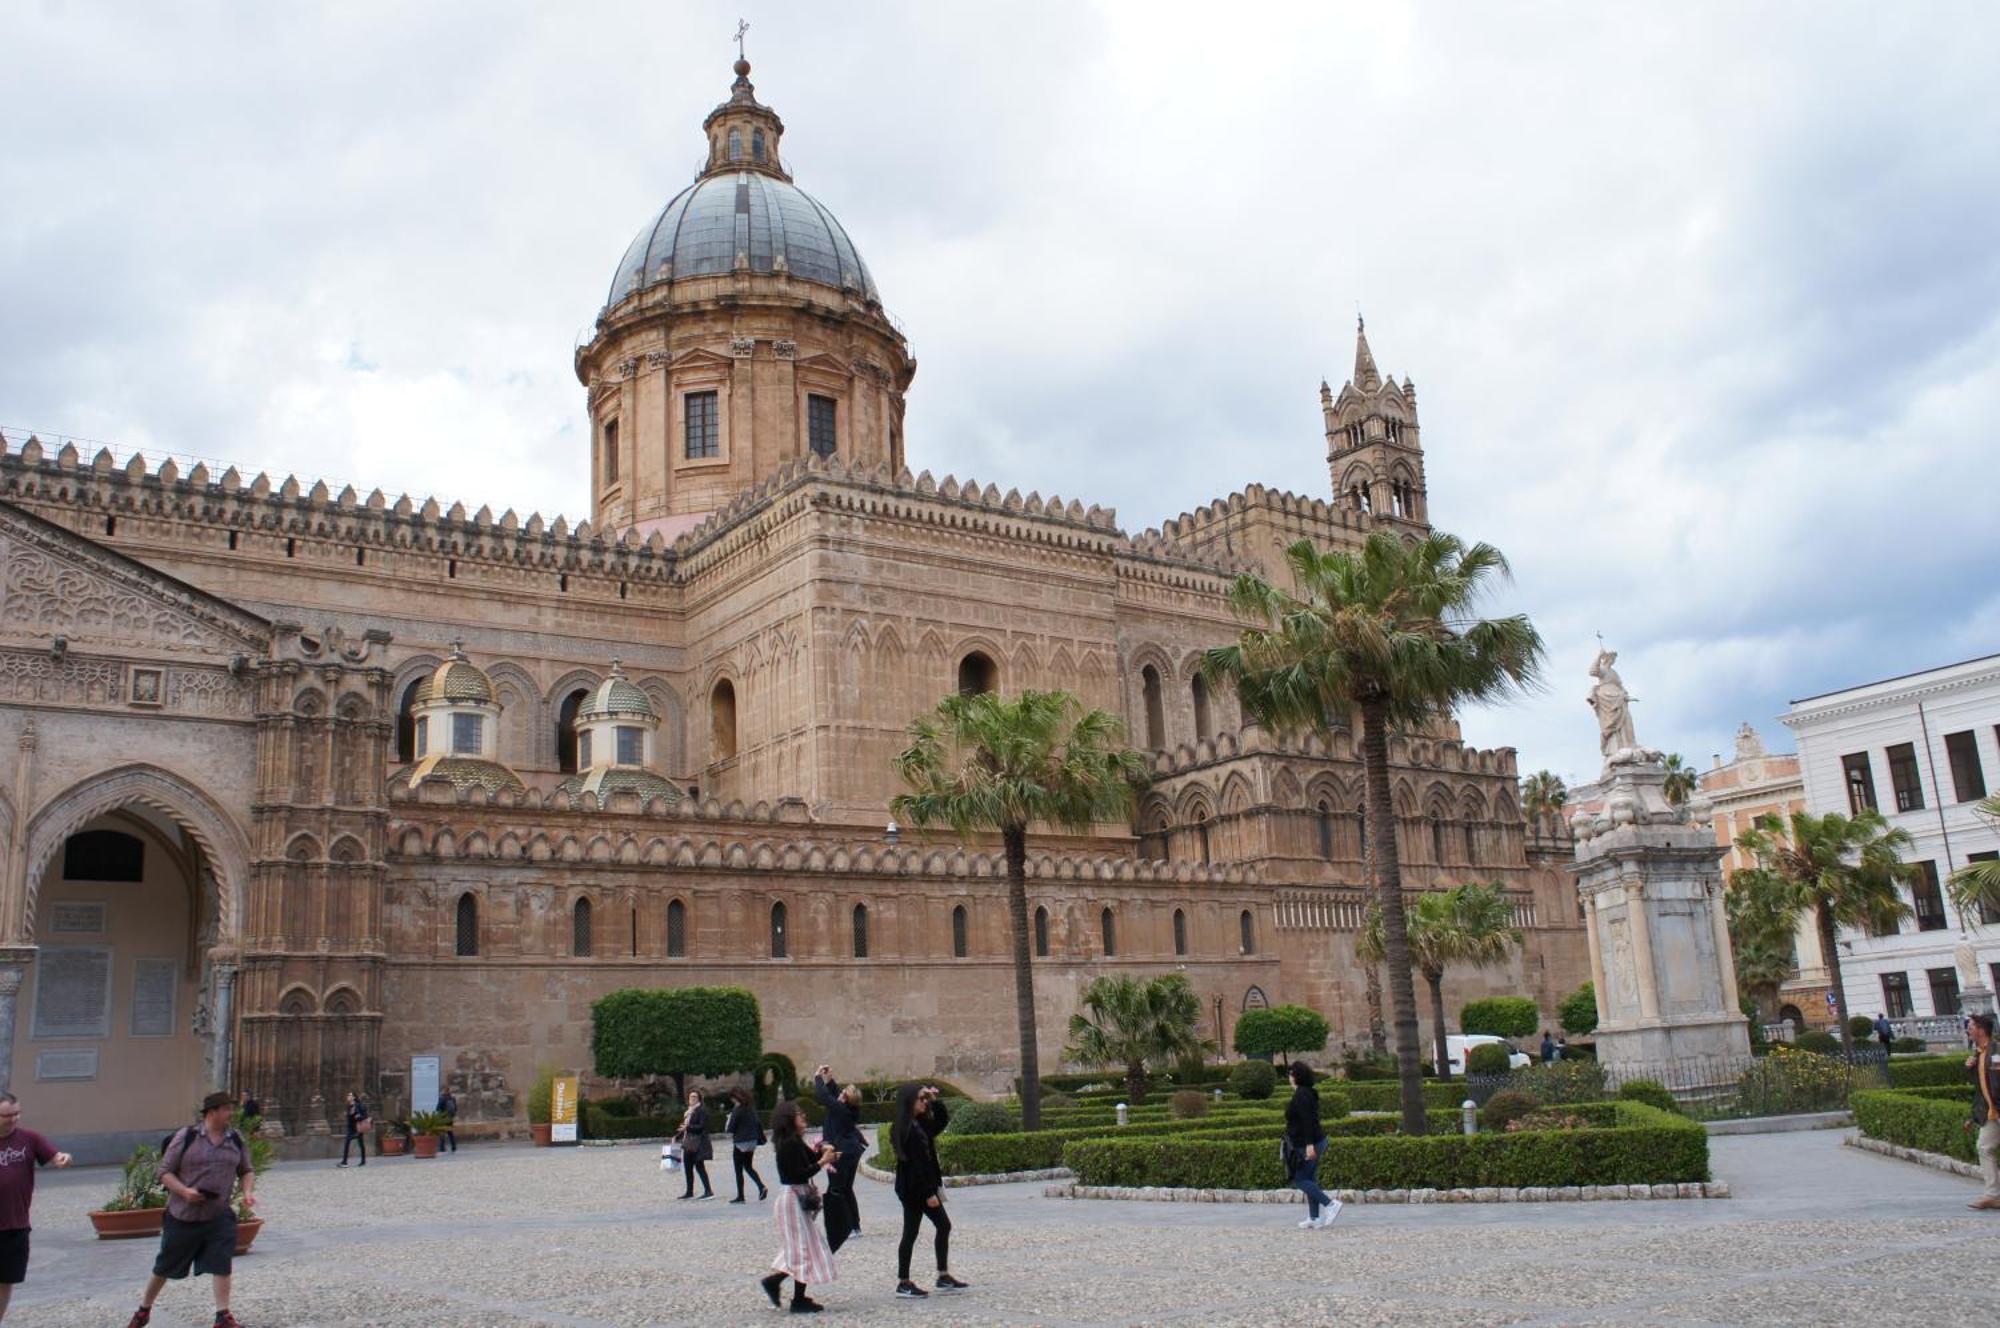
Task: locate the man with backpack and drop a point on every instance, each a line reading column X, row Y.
column 200, row 1168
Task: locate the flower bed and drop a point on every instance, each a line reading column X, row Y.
column 1920, row 1121
column 1638, row 1145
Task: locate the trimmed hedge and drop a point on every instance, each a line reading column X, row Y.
column 638, row 1031
column 600, row 1122
column 1930, row 1072
column 1502, row 1016
column 984, row 1154
column 1913, row 1121
column 1254, row 1079
column 1645, row 1147
column 1489, row 1058
column 1386, row 1095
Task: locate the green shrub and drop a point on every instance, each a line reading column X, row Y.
column 1375, row 1065
column 1908, row 1045
column 638, row 1031
column 1578, row 1011
column 1929, row 1072
column 1488, row 1058
column 1333, row 1102
column 1860, row 1027
column 775, row 1079
column 1792, row 1081
column 1252, row 1079
column 1652, row 1092
column 1910, row 1121
column 982, row 1118
column 1378, row 1096
column 617, row 1106
column 1817, row 1042
column 1560, row 1081
column 1281, row 1030
column 601, row 1124
column 1504, row 1108
column 541, row 1095
column 1188, row 1104
column 1502, row 1016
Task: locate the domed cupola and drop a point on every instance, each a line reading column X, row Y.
column 617, row 735
column 457, row 721
column 742, row 332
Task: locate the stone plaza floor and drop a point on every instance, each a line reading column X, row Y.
column 591, row 1238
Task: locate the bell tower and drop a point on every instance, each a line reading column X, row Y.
column 1374, row 451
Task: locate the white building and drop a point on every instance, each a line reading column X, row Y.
column 1923, row 749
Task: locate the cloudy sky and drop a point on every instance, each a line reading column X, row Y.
column 1702, row 301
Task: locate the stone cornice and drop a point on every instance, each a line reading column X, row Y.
column 1897, row 692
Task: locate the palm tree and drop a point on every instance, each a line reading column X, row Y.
column 1390, row 630
column 1844, row 870
column 1136, row 1025
column 1680, row 780
column 983, row 763
column 1975, row 887
column 1762, row 932
column 1467, row 924
column 1543, row 794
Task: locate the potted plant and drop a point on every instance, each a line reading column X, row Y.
column 393, row 1137
column 541, row 1105
column 140, row 1201
column 248, row 1224
column 425, row 1129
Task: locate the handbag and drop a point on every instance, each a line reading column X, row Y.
column 366, row 1125
column 810, row 1199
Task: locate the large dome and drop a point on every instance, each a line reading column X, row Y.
column 769, row 224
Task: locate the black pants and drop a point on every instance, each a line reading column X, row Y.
column 744, row 1161
column 913, row 1218
column 357, row 1140
column 451, row 1140
column 698, row 1168
column 843, row 1209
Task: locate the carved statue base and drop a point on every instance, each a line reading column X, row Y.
column 1976, row 999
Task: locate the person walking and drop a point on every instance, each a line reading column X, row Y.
column 448, row 1107
column 358, row 1127
column 202, row 1165
column 1305, row 1142
column 746, row 1132
column 695, row 1147
column 920, row 1118
column 843, row 1131
column 21, row 1151
column 802, row 1252
column 248, row 1107
column 1885, row 1032
column 1984, row 1066
column 1548, row 1047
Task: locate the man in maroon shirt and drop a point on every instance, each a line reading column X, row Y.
column 21, row 1151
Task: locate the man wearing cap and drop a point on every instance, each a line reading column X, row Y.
column 200, row 1168
column 21, row 1151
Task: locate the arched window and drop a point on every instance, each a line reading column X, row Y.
column 468, row 924
column 1180, row 932
column 1201, row 722
column 977, row 674
column 1042, row 932
column 1156, row 715
column 1437, row 838
column 735, row 145
column 861, row 931
column 579, row 929
column 1326, row 831
column 1246, row 925
column 406, row 721
column 958, row 939
column 104, row 855
column 779, row 949
column 1109, row 927
column 1201, row 832
column 722, row 719
column 757, row 145
column 677, row 930
column 566, row 730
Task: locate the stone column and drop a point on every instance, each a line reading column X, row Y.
column 15, row 924
column 10, row 988
column 1596, row 956
column 1642, row 950
column 222, row 1054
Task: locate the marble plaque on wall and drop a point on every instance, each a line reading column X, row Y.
column 73, row 991
column 154, row 982
column 75, row 918
column 77, row 1063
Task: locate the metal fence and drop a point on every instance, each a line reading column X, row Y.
column 1707, row 1088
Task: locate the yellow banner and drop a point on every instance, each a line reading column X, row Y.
column 562, row 1110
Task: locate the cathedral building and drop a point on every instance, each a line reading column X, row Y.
column 306, row 784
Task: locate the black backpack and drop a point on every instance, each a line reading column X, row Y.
column 232, row 1138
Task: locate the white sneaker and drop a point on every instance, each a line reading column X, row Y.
column 1328, row 1213
column 1308, row 1224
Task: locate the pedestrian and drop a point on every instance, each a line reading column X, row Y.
column 843, row 1131
column 448, row 1108
column 695, row 1147
column 920, row 1118
column 1548, row 1048
column 21, row 1151
column 1305, row 1143
column 358, row 1127
column 746, row 1132
column 1984, row 1066
column 248, row 1107
column 802, row 1252
column 202, row 1165
column 1562, row 1047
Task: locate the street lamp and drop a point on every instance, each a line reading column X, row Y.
column 892, row 832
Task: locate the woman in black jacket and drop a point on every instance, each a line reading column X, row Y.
column 843, row 1131
column 1305, row 1143
column 920, row 1118
column 745, row 1133
column 802, row 1252
column 695, row 1147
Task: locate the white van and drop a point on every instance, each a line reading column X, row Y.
column 1458, row 1046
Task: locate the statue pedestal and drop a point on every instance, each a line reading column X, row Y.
column 1651, row 885
column 1976, row 999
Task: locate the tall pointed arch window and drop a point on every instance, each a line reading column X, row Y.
column 406, row 722
column 677, row 930
column 1246, row 926
column 722, row 719
column 1108, row 927
column 1180, row 932
column 566, row 750
column 1042, row 933
column 780, row 943
column 1437, row 838
column 959, row 940
column 467, row 926
column 1156, row 714
column 861, row 931
column 1202, row 728
column 580, row 937
column 1326, row 831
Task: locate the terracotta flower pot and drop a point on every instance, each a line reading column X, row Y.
column 424, row 1145
column 128, row 1224
column 246, row 1233
column 540, row 1133
column 391, row 1145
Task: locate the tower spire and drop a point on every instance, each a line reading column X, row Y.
column 1366, row 376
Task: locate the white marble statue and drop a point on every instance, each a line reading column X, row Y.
column 1613, row 706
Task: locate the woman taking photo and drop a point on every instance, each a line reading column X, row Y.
column 745, row 1133
column 1305, row 1143
column 920, row 1118
column 695, row 1147
column 802, row 1252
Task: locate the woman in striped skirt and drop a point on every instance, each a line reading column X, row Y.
column 802, row 1252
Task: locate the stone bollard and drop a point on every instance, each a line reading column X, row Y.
column 1123, row 1115
column 1470, row 1113
column 1218, row 1095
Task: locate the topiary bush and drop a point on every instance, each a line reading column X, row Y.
column 1860, row 1027
column 1252, row 1080
column 1188, row 1104
column 1817, row 1042
column 1908, row 1045
column 982, row 1118
column 1578, row 1011
column 775, row 1079
column 1652, row 1092
column 1504, row 1108
column 1488, row 1058
column 1281, row 1030
column 1502, row 1016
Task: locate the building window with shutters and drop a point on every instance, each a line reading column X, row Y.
column 703, row 417
column 819, row 425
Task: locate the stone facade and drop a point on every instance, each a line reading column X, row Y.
column 244, row 667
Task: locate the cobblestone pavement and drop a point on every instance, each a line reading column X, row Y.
column 505, row 1235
